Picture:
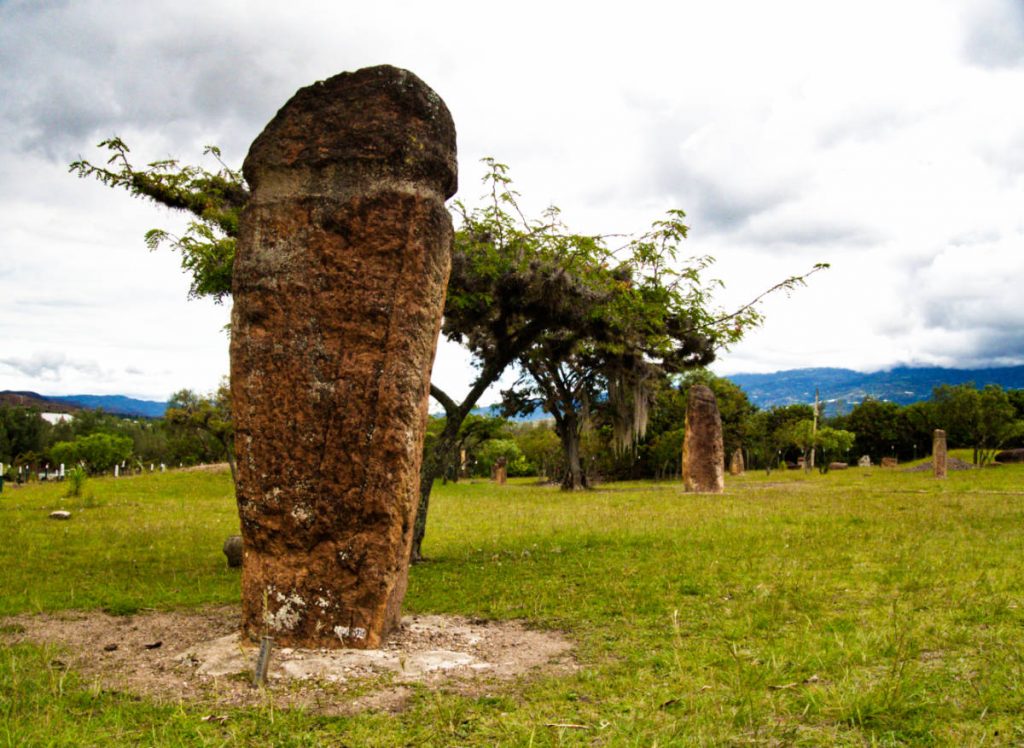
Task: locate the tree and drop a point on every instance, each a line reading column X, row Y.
column 541, row 447
column 769, row 432
column 492, row 450
column 982, row 419
column 514, row 280
column 649, row 319
column 475, row 431
column 208, row 417
column 832, row 443
column 1016, row 398
column 799, row 434
column 215, row 199
column 99, row 452
column 877, row 425
column 660, row 452
column 24, row 433
column 510, row 277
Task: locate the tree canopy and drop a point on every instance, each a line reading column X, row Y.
column 582, row 319
column 215, row 200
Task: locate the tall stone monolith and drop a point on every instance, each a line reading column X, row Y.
column 939, row 453
column 703, row 452
column 339, row 283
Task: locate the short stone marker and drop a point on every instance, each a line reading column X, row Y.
column 736, row 464
column 939, row 453
column 889, row 462
column 60, row 515
column 499, row 471
column 339, row 282
column 703, row 451
column 233, row 550
column 864, row 461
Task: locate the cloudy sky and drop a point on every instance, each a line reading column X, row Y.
column 886, row 138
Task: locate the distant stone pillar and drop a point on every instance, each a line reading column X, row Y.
column 736, row 464
column 499, row 473
column 703, row 452
column 339, row 283
column 939, row 453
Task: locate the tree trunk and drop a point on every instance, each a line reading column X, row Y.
column 575, row 477
column 434, row 463
column 231, row 464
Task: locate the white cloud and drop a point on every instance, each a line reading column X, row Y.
column 887, row 138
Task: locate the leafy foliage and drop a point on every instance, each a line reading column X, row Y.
column 215, row 199
column 76, row 481
column 985, row 419
column 206, row 416
column 97, row 452
column 652, row 315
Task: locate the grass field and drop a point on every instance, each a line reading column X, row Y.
column 862, row 607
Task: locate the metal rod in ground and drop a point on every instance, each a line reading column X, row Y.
column 259, row 678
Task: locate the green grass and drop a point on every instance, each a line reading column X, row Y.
column 861, row 607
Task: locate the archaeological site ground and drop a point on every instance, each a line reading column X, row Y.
column 864, row 606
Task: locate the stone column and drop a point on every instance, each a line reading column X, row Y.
column 736, row 464
column 703, row 452
column 500, row 471
column 939, row 453
column 339, row 284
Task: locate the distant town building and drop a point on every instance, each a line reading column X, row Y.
column 55, row 418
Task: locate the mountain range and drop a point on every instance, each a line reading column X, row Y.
column 840, row 389
column 117, row 404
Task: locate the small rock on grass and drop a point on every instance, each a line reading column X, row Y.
column 60, row 515
column 233, row 550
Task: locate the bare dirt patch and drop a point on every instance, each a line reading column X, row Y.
column 197, row 655
column 952, row 463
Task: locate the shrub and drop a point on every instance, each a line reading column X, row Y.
column 75, row 481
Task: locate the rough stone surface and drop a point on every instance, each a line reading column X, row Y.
column 889, row 462
column 736, row 464
column 233, row 550
column 939, row 453
column 703, row 451
column 339, row 282
column 837, row 466
column 864, row 461
column 1010, row 455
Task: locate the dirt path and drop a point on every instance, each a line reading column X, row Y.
column 196, row 655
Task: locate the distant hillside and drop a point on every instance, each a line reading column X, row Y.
column 844, row 388
column 35, row 400
column 116, row 404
